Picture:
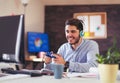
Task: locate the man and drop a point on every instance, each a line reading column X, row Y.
column 77, row 54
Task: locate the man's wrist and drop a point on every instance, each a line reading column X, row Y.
column 66, row 66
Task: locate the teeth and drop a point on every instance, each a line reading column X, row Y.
column 70, row 38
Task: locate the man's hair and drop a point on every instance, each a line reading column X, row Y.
column 75, row 22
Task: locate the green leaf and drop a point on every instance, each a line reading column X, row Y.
column 112, row 56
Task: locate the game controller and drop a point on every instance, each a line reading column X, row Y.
column 50, row 54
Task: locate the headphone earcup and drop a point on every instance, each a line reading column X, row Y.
column 81, row 33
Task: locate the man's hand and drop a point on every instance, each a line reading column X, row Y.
column 47, row 60
column 59, row 59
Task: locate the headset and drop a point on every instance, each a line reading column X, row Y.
column 81, row 33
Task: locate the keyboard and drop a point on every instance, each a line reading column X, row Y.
column 32, row 73
column 12, row 71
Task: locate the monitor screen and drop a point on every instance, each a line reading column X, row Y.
column 37, row 42
column 12, row 38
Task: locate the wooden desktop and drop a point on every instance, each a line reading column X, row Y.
column 37, row 63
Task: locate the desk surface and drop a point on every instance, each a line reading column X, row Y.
column 50, row 79
column 34, row 59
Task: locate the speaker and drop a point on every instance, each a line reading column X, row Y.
column 81, row 33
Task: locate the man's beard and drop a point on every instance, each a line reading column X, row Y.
column 76, row 41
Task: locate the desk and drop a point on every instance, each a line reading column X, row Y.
column 50, row 79
column 35, row 61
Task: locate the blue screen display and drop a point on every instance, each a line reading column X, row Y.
column 37, row 42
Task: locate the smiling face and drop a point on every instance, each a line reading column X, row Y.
column 72, row 34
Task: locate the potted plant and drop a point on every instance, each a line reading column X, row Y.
column 109, row 64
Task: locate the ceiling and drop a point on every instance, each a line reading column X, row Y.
column 78, row 2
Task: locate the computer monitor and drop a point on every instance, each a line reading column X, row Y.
column 37, row 42
column 12, row 39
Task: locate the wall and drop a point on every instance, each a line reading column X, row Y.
column 34, row 20
column 55, row 17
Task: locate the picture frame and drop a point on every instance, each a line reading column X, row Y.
column 95, row 24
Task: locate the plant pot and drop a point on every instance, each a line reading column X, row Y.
column 108, row 73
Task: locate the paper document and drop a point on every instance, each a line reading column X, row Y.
column 87, row 75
